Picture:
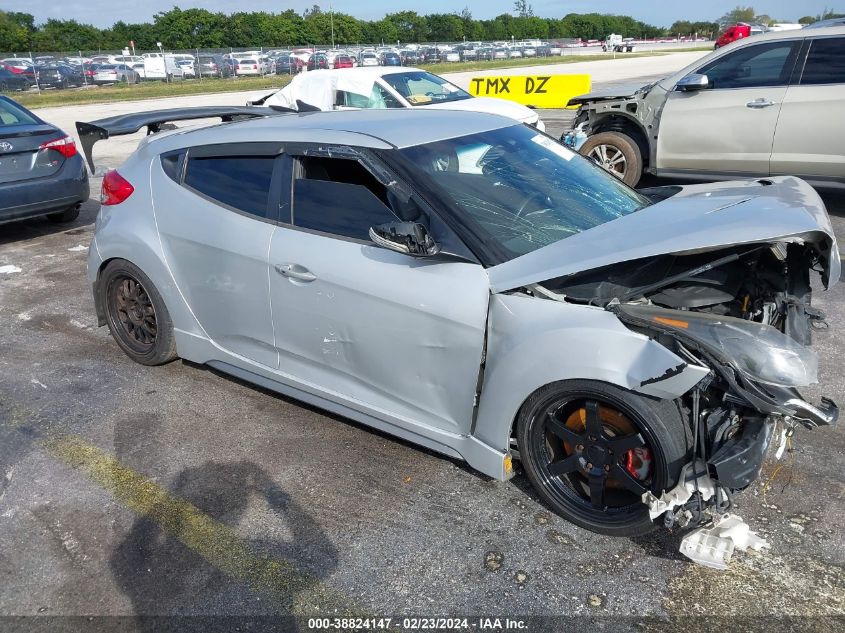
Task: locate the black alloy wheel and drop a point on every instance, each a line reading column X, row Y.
column 592, row 450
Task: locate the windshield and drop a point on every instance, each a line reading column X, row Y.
column 518, row 190
column 422, row 88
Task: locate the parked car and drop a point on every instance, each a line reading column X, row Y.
column 116, row 73
column 214, row 66
column 451, row 56
column 21, row 68
column 342, row 61
column 318, row 61
column 409, row 58
column 289, row 65
column 187, row 66
column 41, row 172
column 10, row 81
column 245, row 66
column 389, row 87
column 491, row 291
column 390, row 59
column 367, row 59
column 59, row 76
column 749, row 109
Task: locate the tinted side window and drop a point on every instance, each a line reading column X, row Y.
column 241, row 182
column 340, row 197
column 753, row 66
column 825, row 63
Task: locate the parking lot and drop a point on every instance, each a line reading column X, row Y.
column 179, row 491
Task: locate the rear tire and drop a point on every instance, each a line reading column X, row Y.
column 616, row 153
column 136, row 315
column 68, row 215
column 564, row 456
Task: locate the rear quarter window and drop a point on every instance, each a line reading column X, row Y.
column 825, row 63
column 239, row 182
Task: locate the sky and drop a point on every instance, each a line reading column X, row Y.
column 103, row 13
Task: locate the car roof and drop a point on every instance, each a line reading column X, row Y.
column 373, row 128
column 793, row 34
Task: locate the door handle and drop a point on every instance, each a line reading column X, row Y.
column 760, row 103
column 295, row 272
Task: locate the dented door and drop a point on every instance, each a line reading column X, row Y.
column 380, row 331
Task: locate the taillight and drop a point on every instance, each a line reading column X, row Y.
column 64, row 146
column 115, row 188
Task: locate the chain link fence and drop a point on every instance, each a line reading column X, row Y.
column 35, row 71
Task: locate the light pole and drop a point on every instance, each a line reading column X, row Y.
column 331, row 21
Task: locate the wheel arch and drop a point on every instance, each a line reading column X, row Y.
column 535, row 342
column 625, row 124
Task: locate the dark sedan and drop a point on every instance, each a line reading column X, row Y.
column 41, row 171
column 59, row 76
column 288, row 65
column 318, row 61
column 12, row 81
column 214, row 66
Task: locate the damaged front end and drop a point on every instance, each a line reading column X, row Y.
column 744, row 313
column 758, row 354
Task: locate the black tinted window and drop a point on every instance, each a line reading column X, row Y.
column 825, row 63
column 753, row 66
column 241, row 182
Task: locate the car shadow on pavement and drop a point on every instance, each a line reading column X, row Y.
column 189, row 562
column 38, row 227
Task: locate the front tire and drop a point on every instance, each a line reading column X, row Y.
column 136, row 315
column 617, row 153
column 591, row 449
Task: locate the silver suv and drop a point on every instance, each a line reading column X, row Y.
column 766, row 105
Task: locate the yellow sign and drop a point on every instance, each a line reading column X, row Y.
column 538, row 91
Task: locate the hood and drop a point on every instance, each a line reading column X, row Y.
column 489, row 105
column 617, row 92
column 697, row 218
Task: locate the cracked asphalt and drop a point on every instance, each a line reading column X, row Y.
column 178, row 491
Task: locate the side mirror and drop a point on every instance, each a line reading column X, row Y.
column 693, row 82
column 410, row 238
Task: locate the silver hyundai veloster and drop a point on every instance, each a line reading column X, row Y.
column 465, row 282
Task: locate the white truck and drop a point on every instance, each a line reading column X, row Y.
column 162, row 66
column 618, row 44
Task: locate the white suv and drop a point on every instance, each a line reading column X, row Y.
column 768, row 105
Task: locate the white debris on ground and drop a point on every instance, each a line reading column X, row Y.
column 78, row 249
column 8, row 269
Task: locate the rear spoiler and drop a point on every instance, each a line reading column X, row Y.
column 155, row 121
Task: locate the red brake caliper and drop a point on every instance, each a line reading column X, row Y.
column 638, row 462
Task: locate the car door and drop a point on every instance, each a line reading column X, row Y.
column 729, row 126
column 216, row 216
column 811, row 127
column 397, row 337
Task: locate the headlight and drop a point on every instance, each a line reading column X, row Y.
column 760, row 351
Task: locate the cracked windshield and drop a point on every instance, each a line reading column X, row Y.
column 522, row 190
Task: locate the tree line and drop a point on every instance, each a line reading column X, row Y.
column 200, row 28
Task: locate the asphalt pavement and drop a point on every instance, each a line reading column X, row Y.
column 178, row 491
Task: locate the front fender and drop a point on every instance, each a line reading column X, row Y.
column 533, row 342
